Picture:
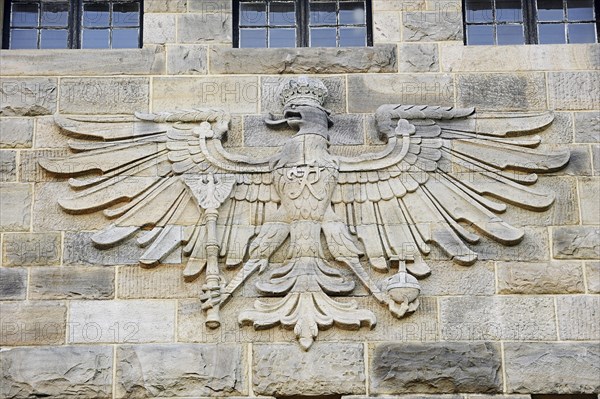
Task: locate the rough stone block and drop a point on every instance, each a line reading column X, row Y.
column 27, row 96
column 48, row 134
column 180, row 370
column 326, row 369
column 592, row 274
column 448, row 278
column 560, row 368
column 13, row 283
column 31, row 249
column 30, row 169
column 380, row 58
column 59, row 372
column 159, row 28
column 418, row 57
column 187, row 60
column 497, row 318
column 201, row 28
column 213, row 6
column 165, row 281
column 103, row 95
column 539, row 278
column 502, row 92
column 576, row 242
column 16, row 206
column 596, row 159
column 580, row 162
column 574, row 90
column 578, row 317
column 367, row 92
column 8, row 166
column 72, row 283
column 129, row 321
column 16, row 132
column 32, row 323
column 432, row 26
column 560, row 131
column 271, row 103
column 587, row 127
column 533, row 248
column 436, row 367
column 386, row 27
column 165, row 6
column 398, row 5
column 589, row 200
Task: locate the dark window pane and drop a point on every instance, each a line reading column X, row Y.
column 510, row 34
column 480, row 34
column 322, row 14
column 550, row 10
column 479, row 11
column 24, row 15
column 23, row 38
column 125, row 38
column 580, row 10
column 352, row 12
column 96, row 14
column 126, row 14
column 551, row 33
column 353, row 37
column 55, row 14
column 95, row 38
column 322, row 37
column 253, row 14
column 253, row 38
column 54, row 38
column 509, row 11
column 282, row 38
column 582, row 33
column 282, row 14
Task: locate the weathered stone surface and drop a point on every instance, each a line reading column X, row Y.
column 16, row 206
column 539, row 278
column 587, row 127
column 398, row 5
column 270, row 86
column 596, row 159
column 580, row 162
column 202, row 28
column 186, row 59
column 8, row 166
column 497, row 396
column 165, row 6
column 497, row 318
column 418, row 57
column 103, row 95
column 589, row 199
column 576, row 242
column 435, row 367
column 380, row 58
column 534, row 247
column 27, row 96
column 165, row 281
column 502, row 92
column 13, row 283
column 48, row 134
column 180, row 370
column 419, row 396
column 32, row 323
column 31, row 249
column 386, row 27
column 592, row 274
column 72, row 283
column 59, row 372
column 213, row 6
column 367, row 92
column 432, row 26
column 327, row 369
column 560, row 131
column 16, row 132
column 233, row 94
column 159, row 28
column 148, row 60
column 30, row 169
column 129, row 321
column 448, row 278
column 560, row 368
column 578, row 317
column 574, row 90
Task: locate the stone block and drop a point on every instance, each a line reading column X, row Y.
column 8, row 166
column 580, row 162
column 560, row 131
column 129, row 321
column 31, row 249
column 49, row 135
column 539, row 278
column 72, row 283
column 164, row 281
column 27, row 96
column 578, row 317
column 16, row 206
column 589, row 200
column 533, row 248
column 186, row 59
column 16, row 132
column 210, row 7
column 326, row 369
column 32, row 323
column 165, row 6
column 502, row 92
column 367, row 92
column 560, row 368
column 418, row 57
column 57, row 372
column 103, row 95
column 271, row 103
column 498, row 397
column 435, row 367
column 316, row 60
column 386, row 27
column 204, row 28
column 574, row 90
column 159, row 28
column 398, row 5
column 596, row 159
column 497, row 318
column 179, row 370
column 419, row 396
column 13, row 283
column 448, row 278
column 587, row 127
column 432, row 26
column 576, row 242
column 30, row 169
column 592, row 274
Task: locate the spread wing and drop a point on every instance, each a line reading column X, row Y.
column 444, row 177
column 146, row 174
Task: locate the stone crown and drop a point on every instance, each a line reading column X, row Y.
column 303, row 89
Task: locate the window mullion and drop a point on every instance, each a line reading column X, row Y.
column 302, row 22
column 75, row 25
column 530, row 21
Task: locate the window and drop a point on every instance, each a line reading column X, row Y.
column 55, row 24
column 302, row 23
column 531, row 21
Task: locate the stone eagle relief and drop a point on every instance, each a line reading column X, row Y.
column 442, row 179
